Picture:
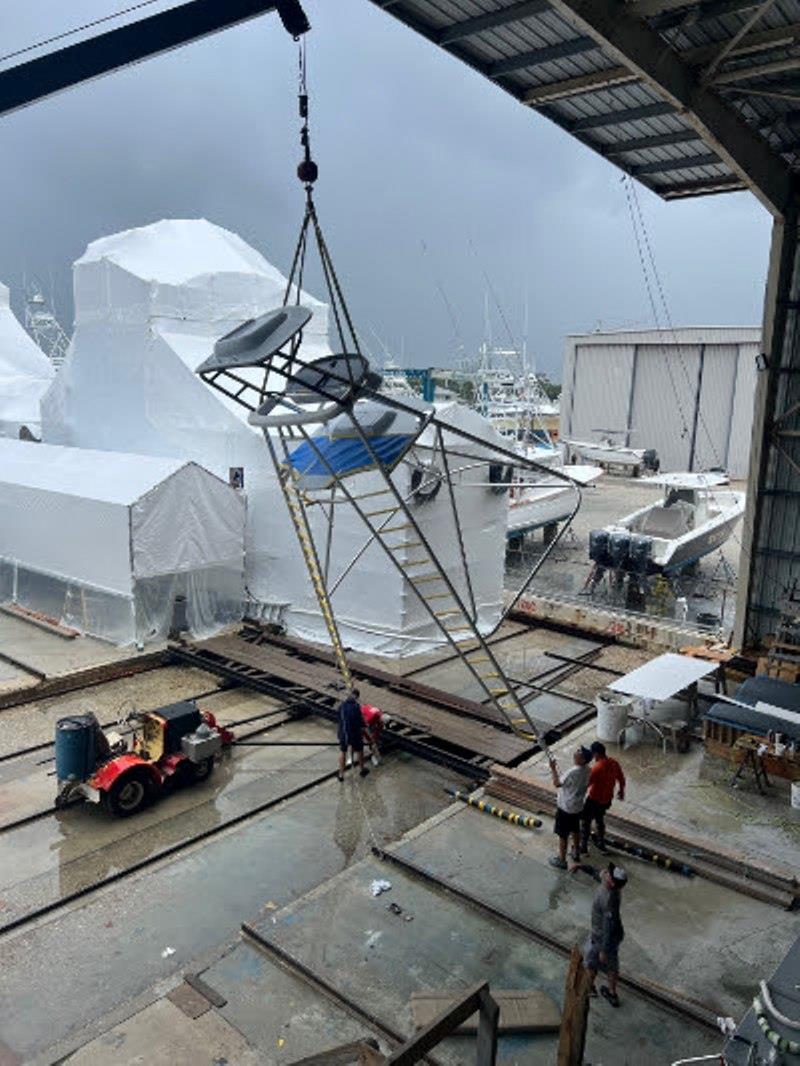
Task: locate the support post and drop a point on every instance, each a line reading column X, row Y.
column 771, row 510
column 572, row 1036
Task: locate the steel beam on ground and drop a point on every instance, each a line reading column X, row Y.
column 151, row 36
column 641, row 48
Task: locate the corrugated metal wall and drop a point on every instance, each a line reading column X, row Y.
column 686, row 393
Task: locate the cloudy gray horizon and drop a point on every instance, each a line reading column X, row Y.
column 434, row 186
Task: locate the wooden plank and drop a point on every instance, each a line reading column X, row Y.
column 445, row 1023
column 521, row 1010
column 572, row 1037
column 454, row 728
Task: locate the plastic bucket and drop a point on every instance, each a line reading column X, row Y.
column 612, row 715
column 796, row 795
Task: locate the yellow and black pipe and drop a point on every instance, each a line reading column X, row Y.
column 527, row 821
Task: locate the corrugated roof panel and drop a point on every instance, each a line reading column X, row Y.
column 629, row 111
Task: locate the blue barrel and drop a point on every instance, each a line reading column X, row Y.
column 75, row 755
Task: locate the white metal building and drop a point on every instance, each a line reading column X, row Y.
column 687, row 392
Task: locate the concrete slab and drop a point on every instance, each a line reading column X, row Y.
column 34, row 722
column 375, row 957
column 85, row 961
column 52, row 654
column 701, row 939
column 278, row 1012
column 163, row 1035
column 690, row 792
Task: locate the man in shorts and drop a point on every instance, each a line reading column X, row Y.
column 374, row 721
column 571, row 787
column 601, row 950
column 351, row 733
column 604, row 774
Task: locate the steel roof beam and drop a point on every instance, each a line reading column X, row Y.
column 561, row 50
column 665, row 166
column 82, row 62
column 614, row 118
column 611, row 76
column 637, row 45
column 710, row 9
column 459, row 31
column 700, row 188
column 659, row 140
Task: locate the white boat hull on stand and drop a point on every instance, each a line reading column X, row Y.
column 545, row 505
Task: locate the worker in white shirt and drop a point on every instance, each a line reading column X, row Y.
column 571, row 795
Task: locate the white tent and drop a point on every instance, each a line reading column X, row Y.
column 25, row 374
column 149, row 305
column 105, row 541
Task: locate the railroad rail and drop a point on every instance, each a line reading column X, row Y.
column 462, row 734
column 164, row 853
column 688, row 1009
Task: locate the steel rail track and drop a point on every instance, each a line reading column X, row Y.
column 690, row 1010
column 163, row 853
column 47, row 812
column 414, row 741
column 227, row 686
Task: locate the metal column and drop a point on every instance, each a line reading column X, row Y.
column 770, row 559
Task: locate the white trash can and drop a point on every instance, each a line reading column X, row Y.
column 613, row 709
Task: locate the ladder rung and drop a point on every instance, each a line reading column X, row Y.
column 410, row 543
column 384, row 510
column 440, row 596
column 368, row 495
column 398, row 529
column 416, row 562
column 425, row 577
column 488, row 677
column 480, row 659
column 499, row 691
column 444, row 614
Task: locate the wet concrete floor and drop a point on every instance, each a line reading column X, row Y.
column 96, row 955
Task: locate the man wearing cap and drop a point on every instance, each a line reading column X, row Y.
column 604, row 774
column 570, row 799
column 600, row 952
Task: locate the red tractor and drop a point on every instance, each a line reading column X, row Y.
column 173, row 745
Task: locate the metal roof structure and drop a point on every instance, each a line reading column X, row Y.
column 688, row 98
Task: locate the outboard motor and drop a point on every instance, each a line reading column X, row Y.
column 618, row 548
column 650, row 460
column 598, row 547
column 640, row 554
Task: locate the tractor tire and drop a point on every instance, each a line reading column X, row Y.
column 129, row 793
column 201, row 771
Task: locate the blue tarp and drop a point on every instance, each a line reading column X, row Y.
column 346, row 455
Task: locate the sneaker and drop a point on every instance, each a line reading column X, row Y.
column 340, row 777
column 364, row 772
column 559, row 864
column 349, row 764
column 375, row 760
column 612, row 997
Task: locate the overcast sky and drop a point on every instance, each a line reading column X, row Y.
column 430, row 179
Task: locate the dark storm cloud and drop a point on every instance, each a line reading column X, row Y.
column 413, row 147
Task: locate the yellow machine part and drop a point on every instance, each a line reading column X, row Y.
column 150, row 743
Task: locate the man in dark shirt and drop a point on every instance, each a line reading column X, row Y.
column 601, row 950
column 351, row 733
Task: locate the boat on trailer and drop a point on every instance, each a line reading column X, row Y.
column 694, row 518
column 609, row 452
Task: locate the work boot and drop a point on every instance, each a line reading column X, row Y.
column 557, row 862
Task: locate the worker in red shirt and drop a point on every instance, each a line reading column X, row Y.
column 605, row 773
column 374, row 721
